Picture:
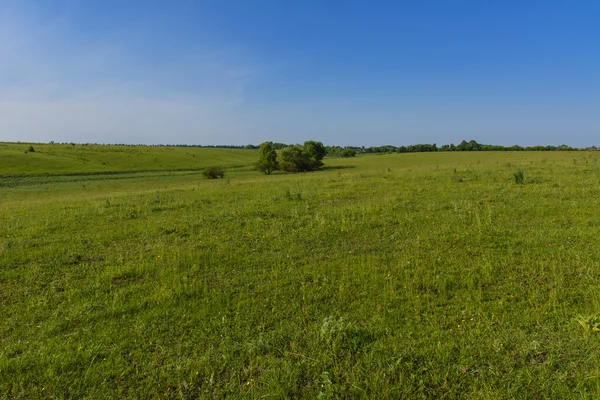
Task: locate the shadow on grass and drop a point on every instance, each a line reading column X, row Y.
column 335, row 167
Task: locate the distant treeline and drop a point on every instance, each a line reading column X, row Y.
column 463, row 146
column 218, row 146
column 472, row 145
column 351, row 151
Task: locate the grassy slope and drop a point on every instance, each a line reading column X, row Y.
column 81, row 159
column 420, row 275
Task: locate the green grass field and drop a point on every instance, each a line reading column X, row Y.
column 124, row 274
column 78, row 159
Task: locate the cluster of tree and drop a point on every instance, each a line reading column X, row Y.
column 338, row 151
column 296, row 158
column 276, row 146
column 218, row 146
column 471, row 145
column 474, row 146
column 208, row 146
column 417, row 148
column 330, row 151
column 351, row 151
column 380, row 149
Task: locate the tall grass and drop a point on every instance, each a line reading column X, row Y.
column 378, row 277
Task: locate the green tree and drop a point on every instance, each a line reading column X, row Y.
column 303, row 158
column 294, row 159
column 267, row 158
column 316, row 151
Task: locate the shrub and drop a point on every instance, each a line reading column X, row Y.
column 292, row 196
column 348, row 153
column 30, row 149
column 519, row 177
column 213, row 172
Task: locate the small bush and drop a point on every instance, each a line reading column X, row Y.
column 30, row 149
column 213, row 172
column 590, row 324
column 292, row 196
column 519, row 177
column 348, row 153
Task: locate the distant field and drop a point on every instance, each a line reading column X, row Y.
column 82, row 159
column 383, row 276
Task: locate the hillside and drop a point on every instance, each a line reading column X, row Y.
column 64, row 159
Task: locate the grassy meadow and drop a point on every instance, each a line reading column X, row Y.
column 125, row 274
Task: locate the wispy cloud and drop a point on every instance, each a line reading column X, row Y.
column 135, row 76
column 104, row 91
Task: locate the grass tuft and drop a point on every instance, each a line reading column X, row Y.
column 519, row 177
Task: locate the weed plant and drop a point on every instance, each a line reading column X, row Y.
column 213, row 172
column 519, row 177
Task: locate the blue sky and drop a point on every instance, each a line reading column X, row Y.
column 343, row 72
